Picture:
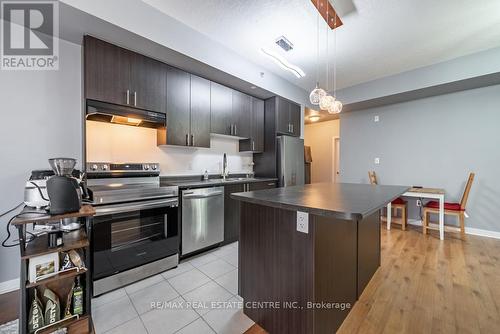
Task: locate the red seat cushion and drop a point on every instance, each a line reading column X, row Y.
column 447, row 206
column 399, row 200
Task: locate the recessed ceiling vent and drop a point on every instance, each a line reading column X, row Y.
column 284, row 43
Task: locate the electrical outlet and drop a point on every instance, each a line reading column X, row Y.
column 376, row 118
column 419, row 203
column 302, row 222
column 376, row 161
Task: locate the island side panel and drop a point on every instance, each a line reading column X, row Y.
column 335, row 258
column 368, row 249
column 276, row 265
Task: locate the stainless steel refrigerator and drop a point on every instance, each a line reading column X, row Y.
column 290, row 161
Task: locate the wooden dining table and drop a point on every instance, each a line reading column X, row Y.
column 433, row 193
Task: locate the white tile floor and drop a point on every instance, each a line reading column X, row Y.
column 199, row 296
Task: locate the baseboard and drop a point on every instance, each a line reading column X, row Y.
column 468, row 230
column 9, row 286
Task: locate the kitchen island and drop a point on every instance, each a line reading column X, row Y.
column 306, row 253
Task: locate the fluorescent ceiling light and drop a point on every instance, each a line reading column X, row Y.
column 283, row 63
column 314, row 118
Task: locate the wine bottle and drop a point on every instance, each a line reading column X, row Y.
column 77, row 298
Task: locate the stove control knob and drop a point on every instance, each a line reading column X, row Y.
column 104, row 167
column 153, row 167
column 146, row 167
column 93, row 167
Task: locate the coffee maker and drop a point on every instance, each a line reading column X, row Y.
column 64, row 190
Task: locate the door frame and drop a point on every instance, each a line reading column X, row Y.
column 335, row 161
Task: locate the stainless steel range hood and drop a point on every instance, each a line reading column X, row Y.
column 112, row 113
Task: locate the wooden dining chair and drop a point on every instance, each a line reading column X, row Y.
column 450, row 209
column 397, row 204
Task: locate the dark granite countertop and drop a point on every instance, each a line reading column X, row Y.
column 197, row 183
column 339, row 200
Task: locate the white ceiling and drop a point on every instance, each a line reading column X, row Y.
column 382, row 38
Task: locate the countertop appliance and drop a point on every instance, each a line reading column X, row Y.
column 35, row 189
column 290, row 161
column 135, row 232
column 202, row 218
column 65, row 194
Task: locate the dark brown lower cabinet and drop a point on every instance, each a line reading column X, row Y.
column 232, row 213
column 297, row 283
column 262, row 185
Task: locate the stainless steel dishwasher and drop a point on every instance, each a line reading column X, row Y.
column 202, row 218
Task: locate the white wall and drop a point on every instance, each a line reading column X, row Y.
column 121, row 143
column 40, row 119
column 433, row 142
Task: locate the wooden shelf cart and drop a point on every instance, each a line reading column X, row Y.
column 62, row 282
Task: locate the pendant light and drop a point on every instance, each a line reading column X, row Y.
column 317, row 93
column 336, row 106
column 327, row 102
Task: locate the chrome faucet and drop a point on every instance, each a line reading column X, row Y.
column 225, row 172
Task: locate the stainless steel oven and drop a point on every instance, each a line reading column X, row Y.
column 135, row 232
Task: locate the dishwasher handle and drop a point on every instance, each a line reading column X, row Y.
column 196, row 196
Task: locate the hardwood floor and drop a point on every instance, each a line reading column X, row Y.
column 9, row 306
column 425, row 285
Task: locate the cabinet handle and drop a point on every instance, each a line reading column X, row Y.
column 128, row 96
column 271, row 184
column 187, row 139
column 231, row 129
column 292, row 127
column 135, row 99
column 253, row 145
column 192, row 140
column 235, row 130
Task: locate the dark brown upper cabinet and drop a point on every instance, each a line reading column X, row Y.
column 221, row 106
column 120, row 76
column 241, row 114
column 148, row 83
column 256, row 141
column 230, row 112
column 107, row 72
column 178, row 107
column 287, row 117
column 200, row 112
column 188, row 110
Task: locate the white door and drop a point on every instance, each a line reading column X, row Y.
column 336, row 159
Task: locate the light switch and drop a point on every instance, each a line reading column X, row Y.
column 377, row 161
column 302, row 222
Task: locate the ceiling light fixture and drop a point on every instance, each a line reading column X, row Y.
column 314, row 118
column 283, row 63
column 317, row 93
column 336, row 107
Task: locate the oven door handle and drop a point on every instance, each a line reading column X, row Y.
column 196, row 196
column 128, row 207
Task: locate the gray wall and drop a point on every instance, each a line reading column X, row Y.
column 40, row 118
column 432, row 142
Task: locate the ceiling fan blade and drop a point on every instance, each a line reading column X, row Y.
column 344, row 7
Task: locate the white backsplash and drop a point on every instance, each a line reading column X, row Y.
column 122, row 143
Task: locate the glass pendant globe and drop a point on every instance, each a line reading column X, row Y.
column 316, row 95
column 326, row 101
column 337, row 107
